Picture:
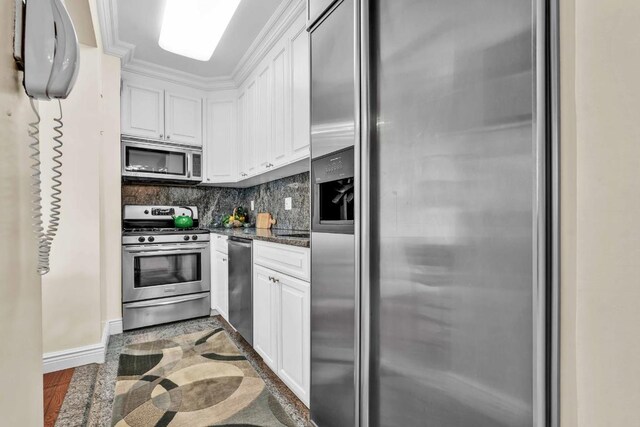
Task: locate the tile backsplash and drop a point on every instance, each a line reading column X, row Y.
column 212, row 202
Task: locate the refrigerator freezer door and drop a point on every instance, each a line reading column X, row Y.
column 453, row 165
column 332, row 82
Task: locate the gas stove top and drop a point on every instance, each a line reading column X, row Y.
column 143, row 225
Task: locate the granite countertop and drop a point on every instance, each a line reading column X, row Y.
column 284, row 237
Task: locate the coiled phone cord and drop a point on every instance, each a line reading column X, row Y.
column 45, row 239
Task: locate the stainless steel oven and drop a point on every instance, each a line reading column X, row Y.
column 166, row 271
column 156, row 161
column 162, row 270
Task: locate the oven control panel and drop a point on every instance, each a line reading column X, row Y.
column 163, row 211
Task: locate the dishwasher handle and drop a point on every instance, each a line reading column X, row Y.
column 240, row 242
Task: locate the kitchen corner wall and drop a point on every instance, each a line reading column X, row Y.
column 600, row 237
column 20, row 290
column 212, row 202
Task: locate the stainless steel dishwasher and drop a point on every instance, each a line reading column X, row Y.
column 241, row 287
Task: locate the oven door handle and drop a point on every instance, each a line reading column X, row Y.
column 185, row 248
column 146, row 304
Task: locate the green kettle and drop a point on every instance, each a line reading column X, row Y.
column 183, row 221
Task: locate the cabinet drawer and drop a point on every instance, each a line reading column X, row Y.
column 286, row 259
column 220, row 243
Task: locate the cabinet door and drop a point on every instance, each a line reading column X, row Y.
column 263, row 119
column 265, row 312
column 220, row 147
column 300, row 95
column 183, row 119
column 214, row 279
column 241, row 135
column 222, row 284
column 248, row 157
column 142, row 111
column 294, row 335
column 280, row 94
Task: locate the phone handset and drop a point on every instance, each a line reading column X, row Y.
column 46, row 46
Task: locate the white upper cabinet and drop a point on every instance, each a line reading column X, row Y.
column 300, row 94
column 262, row 133
column 220, row 148
column 280, row 93
column 142, row 111
column 183, row 119
column 152, row 111
column 248, row 158
column 275, row 117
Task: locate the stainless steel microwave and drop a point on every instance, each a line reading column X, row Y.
column 155, row 161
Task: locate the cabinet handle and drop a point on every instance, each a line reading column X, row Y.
column 276, row 280
column 224, row 259
column 161, row 135
column 168, row 136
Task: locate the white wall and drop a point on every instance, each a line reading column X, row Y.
column 110, row 191
column 20, row 301
column 71, row 313
column 82, row 291
column 601, row 202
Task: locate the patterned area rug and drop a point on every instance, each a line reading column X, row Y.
column 199, row 379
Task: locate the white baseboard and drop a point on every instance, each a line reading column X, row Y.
column 115, row 326
column 59, row 360
column 74, row 357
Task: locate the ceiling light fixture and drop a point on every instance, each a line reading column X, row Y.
column 193, row 28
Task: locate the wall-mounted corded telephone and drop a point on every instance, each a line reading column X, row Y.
column 46, row 48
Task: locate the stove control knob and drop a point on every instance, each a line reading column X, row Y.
column 186, row 237
column 194, row 238
column 146, row 211
column 141, row 239
column 151, row 239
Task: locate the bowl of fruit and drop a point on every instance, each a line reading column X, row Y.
column 237, row 219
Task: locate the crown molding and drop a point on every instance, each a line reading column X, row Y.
column 284, row 16
column 111, row 43
column 149, row 69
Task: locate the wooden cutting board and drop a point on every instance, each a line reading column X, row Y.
column 264, row 220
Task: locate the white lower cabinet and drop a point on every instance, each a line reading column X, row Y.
column 220, row 277
column 265, row 339
column 281, row 325
column 294, row 333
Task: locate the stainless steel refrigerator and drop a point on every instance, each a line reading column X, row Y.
column 445, row 318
